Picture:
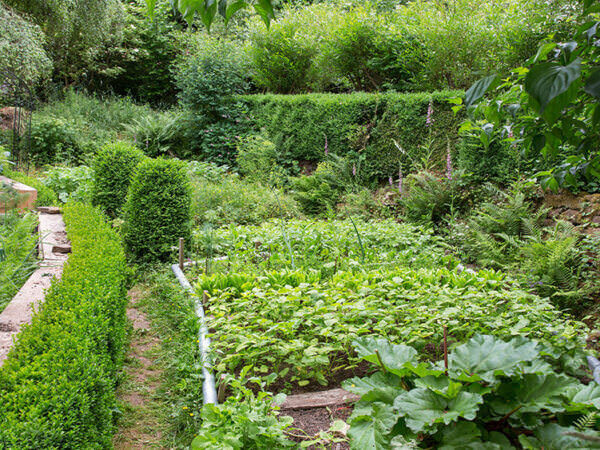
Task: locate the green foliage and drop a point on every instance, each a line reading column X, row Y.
column 73, row 129
column 257, row 161
column 113, row 169
column 70, row 183
column 208, row 80
column 227, row 199
column 277, row 321
column 157, row 134
column 245, row 420
column 281, row 57
column 315, row 194
column 22, row 47
column 366, row 204
column 142, row 64
column 45, row 195
column 324, row 246
column 157, row 210
column 77, row 32
column 359, row 127
column 550, row 109
column 430, row 198
column 488, row 382
column 57, row 385
column 55, row 141
column 507, row 233
column 18, row 242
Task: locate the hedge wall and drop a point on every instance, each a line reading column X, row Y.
column 57, row 385
column 361, row 126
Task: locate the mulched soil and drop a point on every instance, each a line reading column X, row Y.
column 309, row 422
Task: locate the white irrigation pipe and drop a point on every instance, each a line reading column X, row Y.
column 209, row 391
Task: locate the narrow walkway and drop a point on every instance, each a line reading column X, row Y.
column 140, row 427
column 53, row 245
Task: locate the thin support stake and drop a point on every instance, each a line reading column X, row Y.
column 181, row 241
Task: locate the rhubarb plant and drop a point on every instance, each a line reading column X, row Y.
column 492, row 394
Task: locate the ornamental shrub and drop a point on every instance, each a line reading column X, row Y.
column 158, row 209
column 113, row 167
column 364, row 128
column 57, row 385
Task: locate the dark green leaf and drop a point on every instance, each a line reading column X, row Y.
column 546, row 81
column 478, row 90
column 592, row 84
column 485, row 357
column 370, row 429
column 423, row 408
column 394, row 356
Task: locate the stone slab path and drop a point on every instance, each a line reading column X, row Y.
column 20, row 310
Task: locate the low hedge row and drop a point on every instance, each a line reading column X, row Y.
column 361, row 126
column 57, row 385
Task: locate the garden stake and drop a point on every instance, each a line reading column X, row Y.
column 181, row 253
column 446, row 349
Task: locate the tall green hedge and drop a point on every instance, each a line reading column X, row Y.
column 57, row 385
column 158, row 210
column 113, row 168
column 360, row 126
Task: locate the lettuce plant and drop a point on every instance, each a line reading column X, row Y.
column 492, row 394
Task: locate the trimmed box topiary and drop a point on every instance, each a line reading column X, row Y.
column 157, row 212
column 113, row 168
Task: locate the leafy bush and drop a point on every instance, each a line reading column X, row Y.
column 57, row 385
column 157, row 210
column 208, row 80
column 493, row 393
column 55, row 141
column 231, row 200
column 282, row 57
column 245, row 420
column 359, row 127
column 70, row 183
column 429, row 198
column 257, row 161
column 22, row 49
column 314, row 194
column 113, row 169
column 157, row 134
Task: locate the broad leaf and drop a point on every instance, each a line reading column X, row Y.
column 485, row 357
column 478, row 90
column 379, row 387
column 546, row 81
column 423, row 408
column 531, row 393
column 584, row 395
column 592, row 84
column 440, row 385
column 393, row 356
column 460, row 434
column 554, row 437
column 371, row 428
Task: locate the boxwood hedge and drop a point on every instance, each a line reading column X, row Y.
column 360, row 126
column 57, row 385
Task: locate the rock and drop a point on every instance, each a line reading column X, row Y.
column 49, row 209
column 572, row 216
column 64, row 248
column 596, row 219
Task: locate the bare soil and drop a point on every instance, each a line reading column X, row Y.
column 141, row 427
column 309, row 422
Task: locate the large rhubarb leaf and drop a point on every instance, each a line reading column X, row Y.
column 485, row 357
column 393, row 356
column 423, row 409
column 379, row 387
column 531, row 393
column 371, row 426
column 554, row 437
column 582, row 395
